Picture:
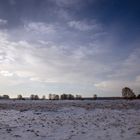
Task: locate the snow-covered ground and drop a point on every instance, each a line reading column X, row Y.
column 70, row 120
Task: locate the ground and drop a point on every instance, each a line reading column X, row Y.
column 70, row 120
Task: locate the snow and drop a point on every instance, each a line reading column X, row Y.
column 70, row 120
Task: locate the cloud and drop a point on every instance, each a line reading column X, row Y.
column 49, row 62
column 3, row 21
column 138, row 78
column 6, row 73
column 125, row 73
column 40, row 27
column 42, row 54
column 24, row 74
column 84, row 26
column 63, row 14
column 66, row 3
column 128, row 67
column 12, row 2
column 67, row 42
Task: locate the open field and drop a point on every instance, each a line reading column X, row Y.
column 70, row 120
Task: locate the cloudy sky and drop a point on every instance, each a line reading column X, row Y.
column 82, row 47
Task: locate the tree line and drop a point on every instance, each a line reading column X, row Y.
column 50, row 97
column 64, row 97
column 127, row 93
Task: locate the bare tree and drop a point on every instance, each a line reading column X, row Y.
column 5, row 97
column 43, row 97
column 78, row 97
column 138, row 97
column 56, row 97
column 64, row 96
column 128, row 93
column 53, row 97
column 32, row 97
column 50, row 96
column 95, row 96
column 67, row 97
column 36, row 97
column 19, row 97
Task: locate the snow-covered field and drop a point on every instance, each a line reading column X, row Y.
column 70, row 120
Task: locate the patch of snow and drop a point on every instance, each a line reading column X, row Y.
column 71, row 122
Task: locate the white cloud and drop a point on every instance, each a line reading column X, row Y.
column 3, row 21
column 125, row 72
column 66, row 3
column 6, row 73
column 40, row 27
column 49, row 62
column 84, row 26
column 128, row 67
column 36, row 79
column 24, row 74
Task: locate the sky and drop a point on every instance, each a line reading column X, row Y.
column 82, row 47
